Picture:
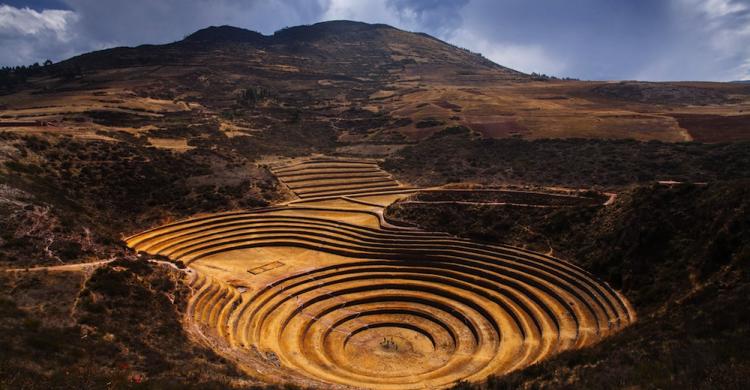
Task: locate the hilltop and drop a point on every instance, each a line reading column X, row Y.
column 366, row 88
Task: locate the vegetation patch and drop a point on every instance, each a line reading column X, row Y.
column 455, row 155
column 119, row 328
column 679, row 252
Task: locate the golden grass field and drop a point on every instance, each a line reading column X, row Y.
column 544, row 110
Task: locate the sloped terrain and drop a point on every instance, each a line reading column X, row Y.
column 355, row 86
column 457, row 155
column 679, row 252
column 333, row 178
column 66, row 329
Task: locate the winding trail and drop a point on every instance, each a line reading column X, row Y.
column 323, row 291
column 61, row 267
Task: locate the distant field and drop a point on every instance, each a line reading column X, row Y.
column 457, row 155
column 715, row 128
column 572, row 110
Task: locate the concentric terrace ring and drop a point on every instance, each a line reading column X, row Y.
column 408, row 309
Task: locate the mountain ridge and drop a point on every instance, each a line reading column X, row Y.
column 297, row 39
column 233, row 33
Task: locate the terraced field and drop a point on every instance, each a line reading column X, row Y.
column 323, row 291
column 326, row 178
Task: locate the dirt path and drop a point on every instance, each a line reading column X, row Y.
column 541, row 206
column 61, row 267
column 81, row 266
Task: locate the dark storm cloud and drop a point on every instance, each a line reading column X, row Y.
column 591, row 39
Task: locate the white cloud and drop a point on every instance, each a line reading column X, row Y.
column 726, row 24
column 525, row 58
column 742, row 71
column 721, row 8
column 28, row 36
column 26, row 21
column 709, row 42
column 370, row 12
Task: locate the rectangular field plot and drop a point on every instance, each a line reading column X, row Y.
column 265, row 267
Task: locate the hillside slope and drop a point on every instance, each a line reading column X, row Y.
column 680, row 253
column 365, row 89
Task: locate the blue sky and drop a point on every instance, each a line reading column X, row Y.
column 588, row 39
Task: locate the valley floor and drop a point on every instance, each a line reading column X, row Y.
column 324, row 290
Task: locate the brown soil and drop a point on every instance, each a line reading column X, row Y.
column 716, row 128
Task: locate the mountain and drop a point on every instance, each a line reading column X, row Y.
column 219, row 34
column 345, row 40
column 395, row 87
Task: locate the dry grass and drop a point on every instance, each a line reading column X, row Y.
column 548, row 110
